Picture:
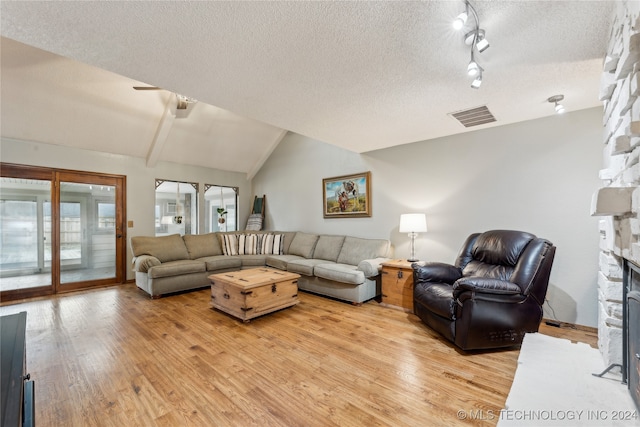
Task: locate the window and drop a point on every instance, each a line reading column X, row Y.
column 106, row 216
column 221, row 208
column 176, row 209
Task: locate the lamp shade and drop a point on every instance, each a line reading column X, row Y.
column 413, row 223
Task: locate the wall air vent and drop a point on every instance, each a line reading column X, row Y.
column 474, row 116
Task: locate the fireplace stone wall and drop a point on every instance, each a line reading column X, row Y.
column 618, row 201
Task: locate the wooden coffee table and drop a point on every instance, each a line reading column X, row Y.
column 250, row 293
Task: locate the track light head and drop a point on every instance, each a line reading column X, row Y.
column 460, row 20
column 482, row 44
column 473, row 68
column 477, row 82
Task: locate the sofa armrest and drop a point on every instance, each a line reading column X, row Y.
column 371, row 267
column 435, row 272
column 486, row 286
column 143, row 263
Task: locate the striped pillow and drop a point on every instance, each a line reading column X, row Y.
column 272, row 244
column 250, row 244
column 230, row 244
column 254, row 222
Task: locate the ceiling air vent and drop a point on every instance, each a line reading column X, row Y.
column 474, row 116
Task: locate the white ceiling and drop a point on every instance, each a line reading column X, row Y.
column 359, row 75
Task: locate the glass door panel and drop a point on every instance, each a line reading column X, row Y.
column 87, row 232
column 24, row 261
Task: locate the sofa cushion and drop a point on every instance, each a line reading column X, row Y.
column 303, row 244
column 328, row 247
column 165, row 248
column 176, row 268
column 355, row 249
column 304, row 266
column 221, row 262
column 287, row 239
column 340, row 273
column 253, row 260
column 202, row 245
column 280, row 261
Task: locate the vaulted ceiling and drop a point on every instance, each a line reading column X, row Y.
column 359, row 75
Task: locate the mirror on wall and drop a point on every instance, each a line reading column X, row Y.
column 221, row 208
column 176, row 209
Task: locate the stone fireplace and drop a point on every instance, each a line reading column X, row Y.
column 618, row 201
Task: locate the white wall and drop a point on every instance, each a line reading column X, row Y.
column 140, row 179
column 536, row 176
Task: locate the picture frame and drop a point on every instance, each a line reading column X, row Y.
column 347, row 196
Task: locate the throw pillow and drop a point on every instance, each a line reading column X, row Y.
column 249, row 244
column 229, row 244
column 272, row 244
column 254, row 223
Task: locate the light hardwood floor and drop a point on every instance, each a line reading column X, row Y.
column 114, row 357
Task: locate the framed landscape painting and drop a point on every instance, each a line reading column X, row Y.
column 347, row 196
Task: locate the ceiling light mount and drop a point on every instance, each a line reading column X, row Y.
column 474, row 38
column 555, row 99
column 477, row 37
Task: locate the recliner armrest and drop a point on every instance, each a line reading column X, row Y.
column 485, row 285
column 435, row 272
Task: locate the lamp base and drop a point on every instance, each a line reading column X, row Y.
column 413, row 260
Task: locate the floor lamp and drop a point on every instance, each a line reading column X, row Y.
column 413, row 224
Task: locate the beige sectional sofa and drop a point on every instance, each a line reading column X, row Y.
column 342, row 267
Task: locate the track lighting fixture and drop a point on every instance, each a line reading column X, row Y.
column 555, row 99
column 474, row 38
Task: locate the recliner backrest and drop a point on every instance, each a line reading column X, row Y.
column 514, row 256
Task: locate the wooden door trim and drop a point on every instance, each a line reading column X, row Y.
column 55, row 176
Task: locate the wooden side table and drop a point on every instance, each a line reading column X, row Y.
column 397, row 284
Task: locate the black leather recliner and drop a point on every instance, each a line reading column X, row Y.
column 493, row 294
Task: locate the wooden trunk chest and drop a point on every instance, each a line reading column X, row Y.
column 250, row 293
column 397, row 284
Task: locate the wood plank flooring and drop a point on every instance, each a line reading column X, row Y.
column 115, row 357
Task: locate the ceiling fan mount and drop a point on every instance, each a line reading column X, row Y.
column 183, row 101
column 147, row 88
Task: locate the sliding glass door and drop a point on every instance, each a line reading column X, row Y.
column 60, row 234
column 87, row 232
column 25, row 233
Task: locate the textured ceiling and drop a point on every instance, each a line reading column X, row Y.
column 360, row 75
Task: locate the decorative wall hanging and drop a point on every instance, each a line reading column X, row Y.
column 347, row 196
